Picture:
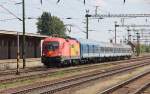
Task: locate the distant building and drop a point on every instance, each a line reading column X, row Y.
column 8, row 44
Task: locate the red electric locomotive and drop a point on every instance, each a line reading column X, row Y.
column 60, row 51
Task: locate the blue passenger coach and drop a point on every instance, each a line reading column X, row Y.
column 97, row 51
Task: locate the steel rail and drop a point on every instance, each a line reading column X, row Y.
column 62, row 85
column 118, row 86
column 44, row 74
column 142, row 88
column 11, row 72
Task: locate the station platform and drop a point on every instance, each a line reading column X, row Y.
column 8, row 64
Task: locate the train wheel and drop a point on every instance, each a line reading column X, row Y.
column 59, row 64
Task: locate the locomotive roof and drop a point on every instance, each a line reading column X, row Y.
column 103, row 44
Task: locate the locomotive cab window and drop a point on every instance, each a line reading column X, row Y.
column 51, row 46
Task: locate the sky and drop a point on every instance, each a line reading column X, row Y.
column 101, row 30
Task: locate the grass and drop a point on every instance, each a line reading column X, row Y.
column 53, row 76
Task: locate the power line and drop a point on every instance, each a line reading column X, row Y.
column 36, row 18
column 8, row 19
column 13, row 1
column 133, row 25
column 119, row 15
column 10, row 12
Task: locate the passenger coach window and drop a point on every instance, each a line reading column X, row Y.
column 102, row 49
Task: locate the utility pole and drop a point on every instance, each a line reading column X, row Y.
column 87, row 23
column 115, row 32
column 18, row 54
column 138, row 44
column 23, row 39
column 96, row 9
column 129, row 36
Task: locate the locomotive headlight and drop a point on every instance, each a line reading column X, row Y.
column 43, row 54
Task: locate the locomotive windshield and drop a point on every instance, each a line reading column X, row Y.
column 51, row 46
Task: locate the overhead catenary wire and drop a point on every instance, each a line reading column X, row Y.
column 8, row 19
column 16, row 3
column 10, row 12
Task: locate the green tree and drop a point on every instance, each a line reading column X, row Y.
column 147, row 49
column 144, row 48
column 51, row 25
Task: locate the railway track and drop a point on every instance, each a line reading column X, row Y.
column 134, row 85
column 43, row 73
column 145, row 89
column 142, row 88
column 49, row 87
column 27, row 70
